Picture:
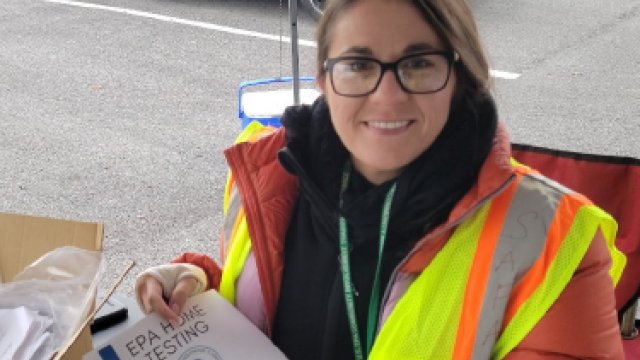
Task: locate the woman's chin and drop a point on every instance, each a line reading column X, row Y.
column 380, row 168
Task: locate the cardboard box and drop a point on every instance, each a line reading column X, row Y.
column 24, row 239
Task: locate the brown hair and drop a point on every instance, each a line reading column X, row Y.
column 453, row 22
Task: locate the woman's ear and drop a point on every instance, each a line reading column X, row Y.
column 320, row 81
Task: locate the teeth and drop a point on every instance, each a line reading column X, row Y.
column 389, row 125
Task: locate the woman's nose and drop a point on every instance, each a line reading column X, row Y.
column 389, row 89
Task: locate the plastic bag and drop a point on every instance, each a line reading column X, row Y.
column 60, row 285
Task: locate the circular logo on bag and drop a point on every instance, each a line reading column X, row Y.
column 200, row 353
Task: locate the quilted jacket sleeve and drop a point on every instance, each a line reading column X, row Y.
column 583, row 322
column 211, row 269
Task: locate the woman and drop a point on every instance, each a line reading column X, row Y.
column 386, row 220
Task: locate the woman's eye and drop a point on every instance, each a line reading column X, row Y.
column 418, row 63
column 358, row 65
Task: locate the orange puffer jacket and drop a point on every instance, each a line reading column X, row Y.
column 581, row 324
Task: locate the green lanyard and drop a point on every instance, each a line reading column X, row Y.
column 346, row 272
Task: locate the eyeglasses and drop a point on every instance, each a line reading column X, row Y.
column 421, row 73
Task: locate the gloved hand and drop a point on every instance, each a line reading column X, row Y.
column 164, row 289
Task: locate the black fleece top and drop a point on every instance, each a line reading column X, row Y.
column 311, row 321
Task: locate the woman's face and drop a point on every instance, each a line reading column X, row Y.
column 387, row 129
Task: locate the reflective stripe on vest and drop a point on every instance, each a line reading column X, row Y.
column 235, row 234
column 464, row 304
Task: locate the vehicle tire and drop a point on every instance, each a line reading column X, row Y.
column 313, row 7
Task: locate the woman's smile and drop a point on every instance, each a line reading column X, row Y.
column 388, row 127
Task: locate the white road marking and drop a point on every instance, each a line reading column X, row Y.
column 171, row 19
column 504, row 74
column 227, row 29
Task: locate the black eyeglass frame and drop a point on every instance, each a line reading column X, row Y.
column 451, row 56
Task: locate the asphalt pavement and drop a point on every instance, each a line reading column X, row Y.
column 117, row 111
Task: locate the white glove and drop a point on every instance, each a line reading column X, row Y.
column 169, row 275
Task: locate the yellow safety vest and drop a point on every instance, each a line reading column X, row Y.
column 504, row 266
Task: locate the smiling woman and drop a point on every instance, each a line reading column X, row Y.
column 387, row 221
column 367, row 109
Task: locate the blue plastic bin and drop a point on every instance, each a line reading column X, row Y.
column 267, row 106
